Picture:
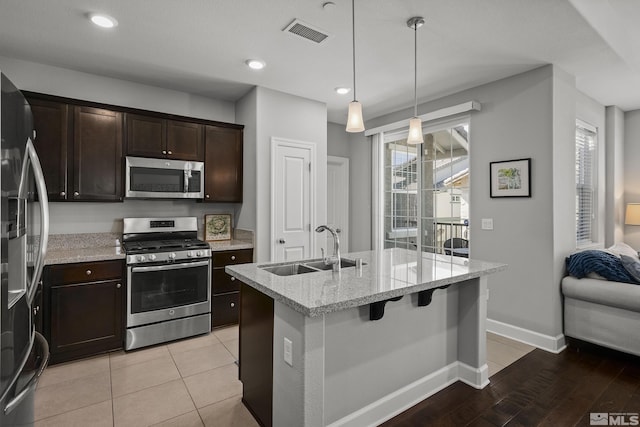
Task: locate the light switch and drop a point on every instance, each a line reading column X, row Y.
column 288, row 351
column 487, row 223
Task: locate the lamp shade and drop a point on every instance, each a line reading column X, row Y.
column 354, row 119
column 632, row 216
column 415, row 131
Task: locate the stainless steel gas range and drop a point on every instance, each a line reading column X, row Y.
column 169, row 280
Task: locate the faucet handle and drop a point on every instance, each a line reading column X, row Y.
column 322, row 251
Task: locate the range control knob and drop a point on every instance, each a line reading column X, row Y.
column 190, row 254
column 152, row 257
column 141, row 258
column 199, row 253
column 172, row 255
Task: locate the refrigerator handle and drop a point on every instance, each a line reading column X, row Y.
column 44, row 219
column 33, row 382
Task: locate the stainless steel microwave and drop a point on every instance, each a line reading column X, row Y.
column 163, row 179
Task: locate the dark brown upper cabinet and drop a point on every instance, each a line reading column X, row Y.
column 52, row 123
column 149, row 136
column 80, row 149
column 223, row 164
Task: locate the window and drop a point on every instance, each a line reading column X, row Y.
column 426, row 187
column 586, row 183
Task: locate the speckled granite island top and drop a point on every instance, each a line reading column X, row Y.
column 387, row 274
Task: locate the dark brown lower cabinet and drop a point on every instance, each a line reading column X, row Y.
column 256, row 353
column 83, row 309
column 225, row 288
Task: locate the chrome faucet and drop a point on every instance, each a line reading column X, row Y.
column 333, row 260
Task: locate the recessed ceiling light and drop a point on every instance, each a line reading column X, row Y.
column 104, row 21
column 255, row 64
column 343, row 90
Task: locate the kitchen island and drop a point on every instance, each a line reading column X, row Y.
column 355, row 348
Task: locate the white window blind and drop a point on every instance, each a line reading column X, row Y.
column 586, row 140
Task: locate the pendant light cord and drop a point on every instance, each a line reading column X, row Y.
column 415, row 69
column 353, row 38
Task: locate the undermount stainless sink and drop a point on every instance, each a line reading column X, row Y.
column 320, row 265
column 303, row 267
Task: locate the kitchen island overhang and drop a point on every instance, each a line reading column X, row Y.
column 349, row 370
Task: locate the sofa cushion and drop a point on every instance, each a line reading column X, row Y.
column 622, row 248
column 614, row 294
column 605, row 264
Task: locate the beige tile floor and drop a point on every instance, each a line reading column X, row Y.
column 189, row 383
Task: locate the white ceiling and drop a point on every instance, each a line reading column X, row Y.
column 200, row 46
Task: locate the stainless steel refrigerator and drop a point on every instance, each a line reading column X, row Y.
column 24, row 353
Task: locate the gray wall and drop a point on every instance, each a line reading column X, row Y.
column 614, row 189
column 357, row 148
column 84, row 217
column 247, row 113
column 531, row 115
column 632, row 171
column 269, row 114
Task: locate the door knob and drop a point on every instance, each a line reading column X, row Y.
column 282, row 241
column 338, row 230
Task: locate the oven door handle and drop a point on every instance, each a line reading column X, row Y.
column 169, row 266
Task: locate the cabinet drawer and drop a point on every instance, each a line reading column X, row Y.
column 222, row 258
column 222, row 282
column 224, row 309
column 85, row 272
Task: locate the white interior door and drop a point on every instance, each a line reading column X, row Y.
column 338, row 201
column 292, row 200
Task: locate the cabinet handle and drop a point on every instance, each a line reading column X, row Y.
column 119, row 285
column 36, row 309
column 88, row 272
column 164, row 151
column 233, row 304
column 169, row 152
column 233, row 257
column 76, row 194
column 62, row 193
column 233, row 279
column 207, row 196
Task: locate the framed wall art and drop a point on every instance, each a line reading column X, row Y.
column 510, row 178
column 217, row 227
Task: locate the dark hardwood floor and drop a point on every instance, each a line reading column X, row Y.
column 540, row 389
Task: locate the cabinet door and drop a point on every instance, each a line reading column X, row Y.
column 146, row 136
column 223, row 164
column 224, row 309
column 184, row 140
column 51, row 121
column 97, row 156
column 86, row 318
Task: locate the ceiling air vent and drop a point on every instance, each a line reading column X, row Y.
column 306, row 31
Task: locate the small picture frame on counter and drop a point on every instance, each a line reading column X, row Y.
column 217, row 227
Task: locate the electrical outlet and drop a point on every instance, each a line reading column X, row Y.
column 288, row 351
column 487, row 223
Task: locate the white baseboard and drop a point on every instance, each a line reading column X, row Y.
column 402, row 399
column 545, row 342
column 476, row 378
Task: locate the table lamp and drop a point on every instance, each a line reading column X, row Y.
column 632, row 215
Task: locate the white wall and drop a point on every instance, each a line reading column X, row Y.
column 356, row 147
column 614, row 189
column 632, row 171
column 285, row 116
column 85, row 217
column 530, row 115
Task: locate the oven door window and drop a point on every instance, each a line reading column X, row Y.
column 164, row 180
column 155, row 288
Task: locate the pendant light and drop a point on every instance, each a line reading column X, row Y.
column 415, row 124
column 355, row 122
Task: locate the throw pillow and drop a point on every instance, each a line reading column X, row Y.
column 605, row 264
column 632, row 266
column 621, row 248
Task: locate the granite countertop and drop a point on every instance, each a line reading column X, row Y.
column 90, row 247
column 387, row 274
